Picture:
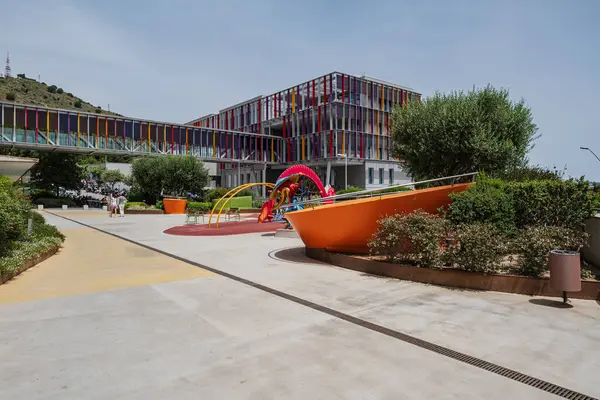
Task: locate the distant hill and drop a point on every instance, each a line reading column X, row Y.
column 29, row 91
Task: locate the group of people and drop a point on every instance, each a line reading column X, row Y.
column 116, row 203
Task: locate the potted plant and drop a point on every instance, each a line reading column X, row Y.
column 182, row 175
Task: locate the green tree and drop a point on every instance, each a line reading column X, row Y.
column 154, row 177
column 57, row 170
column 112, row 176
column 450, row 134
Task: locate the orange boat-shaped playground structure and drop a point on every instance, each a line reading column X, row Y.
column 347, row 226
column 342, row 223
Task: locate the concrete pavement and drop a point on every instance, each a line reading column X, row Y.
column 218, row 338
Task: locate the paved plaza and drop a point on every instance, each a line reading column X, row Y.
column 250, row 317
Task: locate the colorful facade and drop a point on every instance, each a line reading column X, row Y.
column 36, row 127
column 327, row 118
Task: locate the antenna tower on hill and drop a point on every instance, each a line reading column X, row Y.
column 7, row 68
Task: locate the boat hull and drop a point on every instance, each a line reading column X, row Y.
column 347, row 226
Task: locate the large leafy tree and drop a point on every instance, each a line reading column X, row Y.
column 154, row 177
column 112, row 177
column 450, row 134
column 55, row 171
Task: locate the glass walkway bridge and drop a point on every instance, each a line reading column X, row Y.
column 48, row 129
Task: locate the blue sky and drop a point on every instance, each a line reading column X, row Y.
column 177, row 60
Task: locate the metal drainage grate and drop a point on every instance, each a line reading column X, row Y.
column 458, row 356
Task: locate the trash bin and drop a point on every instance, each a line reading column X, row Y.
column 565, row 271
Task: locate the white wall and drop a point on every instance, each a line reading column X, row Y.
column 399, row 175
column 124, row 168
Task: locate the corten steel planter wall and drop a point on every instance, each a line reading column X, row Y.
column 174, row 206
column 590, row 290
column 30, row 263
column 144, row 211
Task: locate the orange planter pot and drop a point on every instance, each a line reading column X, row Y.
column 174, row 206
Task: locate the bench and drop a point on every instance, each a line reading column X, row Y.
column 193, row 216
column 234, row 213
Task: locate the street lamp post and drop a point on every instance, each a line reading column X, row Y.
column 345, row 157
column 590, row 150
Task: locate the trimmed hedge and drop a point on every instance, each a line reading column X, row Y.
column 485, row 202
column 199, row 206
column 136, row 205
column 516, row 205
column 552, row 203
column 351, row 189
column 237, row 202
column 55, row 202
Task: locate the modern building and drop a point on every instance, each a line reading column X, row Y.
column 318, row 123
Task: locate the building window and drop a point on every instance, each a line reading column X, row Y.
column 248, row 180
column 381, row 176
column 391, row 172
column 371, row 176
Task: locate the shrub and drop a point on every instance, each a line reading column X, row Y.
column 479, row 248
column 350, row 189
column 38, row 219
column 60, row 91
column 22, row 76
column 14, row 212
column 160, row 205
column 44, row 230
column 69, row 94
column 55, row 202
column 136, row 205
column 215, row 194
column 199, row 206
column 257, row 203
column 484, row 202
column 98, row 110
column 10, row 96
column 52, row 89
column 26, row 250
column 534, row 244
column 532, row 173
column 552, row 203
column 78, row 103
column 396, row 189
column 415, row 237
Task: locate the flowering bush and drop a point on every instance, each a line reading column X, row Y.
column 415, row 237
column 534, row 244
column 479, row 248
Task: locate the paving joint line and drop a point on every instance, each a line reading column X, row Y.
column 438, row 349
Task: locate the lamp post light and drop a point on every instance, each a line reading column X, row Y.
column 345, row 157
column 590, row 150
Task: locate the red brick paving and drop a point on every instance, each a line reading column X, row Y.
column 225, row 228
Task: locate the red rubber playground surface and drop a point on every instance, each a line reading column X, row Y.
column 225, row 228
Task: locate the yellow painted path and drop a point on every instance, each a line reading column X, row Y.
column 92, row 261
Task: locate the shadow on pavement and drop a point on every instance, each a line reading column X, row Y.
column 550, row 303
column 295, row 255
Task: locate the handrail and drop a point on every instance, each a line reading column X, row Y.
column 370, row 191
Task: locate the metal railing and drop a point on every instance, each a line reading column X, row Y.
column 373, row 192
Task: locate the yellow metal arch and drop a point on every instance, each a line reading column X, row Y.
column 236, row 192
column 224, row 196
column 231, row 195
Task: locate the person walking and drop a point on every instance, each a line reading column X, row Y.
column 113, row 205
column 122, row 201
